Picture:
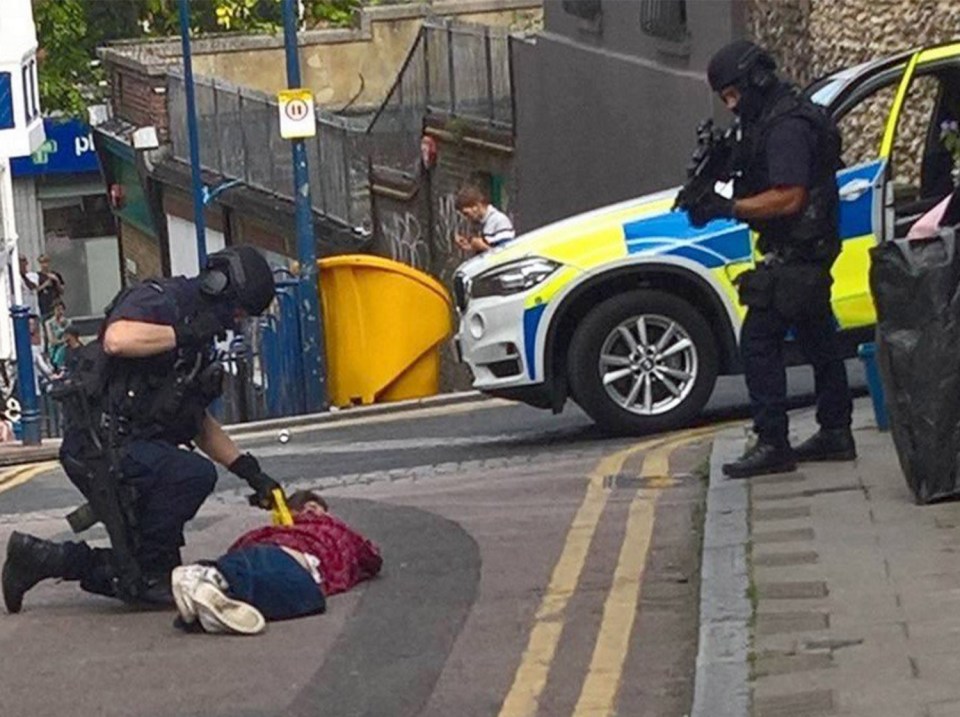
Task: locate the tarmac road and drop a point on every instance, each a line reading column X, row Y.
column 340, row 451
column 532, row 567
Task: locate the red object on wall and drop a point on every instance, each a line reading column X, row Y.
column 428, row 152
column 116, row 196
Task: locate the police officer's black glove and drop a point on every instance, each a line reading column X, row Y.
column 247, row 467
column 711, row 206
column 199, row 329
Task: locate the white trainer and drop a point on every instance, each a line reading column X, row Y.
column 184, row 580
column 221, row 614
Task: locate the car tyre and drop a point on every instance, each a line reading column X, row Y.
column 665, row 370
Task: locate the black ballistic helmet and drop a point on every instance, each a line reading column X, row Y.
column 240, row 274
column 743, row 65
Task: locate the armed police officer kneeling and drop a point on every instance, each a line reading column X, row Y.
column 137, row 395
column 785, row 188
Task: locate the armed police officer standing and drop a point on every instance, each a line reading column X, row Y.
column 137, row 395
column 785, row 189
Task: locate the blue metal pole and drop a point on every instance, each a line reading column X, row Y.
column 199, row 220
column 311, row 328
column 29, row 409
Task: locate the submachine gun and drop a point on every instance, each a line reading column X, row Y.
column 96, row 469
column 714, row 160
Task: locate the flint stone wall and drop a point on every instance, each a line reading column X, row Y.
column 812, row 38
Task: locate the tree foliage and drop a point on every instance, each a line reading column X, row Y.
column 65, row 61
column 69, row 32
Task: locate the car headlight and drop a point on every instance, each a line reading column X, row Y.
column 512, row 278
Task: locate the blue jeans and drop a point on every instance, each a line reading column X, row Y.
column 272, row 581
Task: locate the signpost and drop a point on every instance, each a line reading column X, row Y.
column 297, row 113
column 297, row 121
column 199, row 218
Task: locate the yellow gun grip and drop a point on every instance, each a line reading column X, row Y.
column 281, row 513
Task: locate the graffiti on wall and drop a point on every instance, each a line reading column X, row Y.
column 448, row 225
column 428, row 246
column 405, row 239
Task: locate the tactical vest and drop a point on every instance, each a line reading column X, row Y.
column 813, row 234
column 159, row 400
column 161, row 397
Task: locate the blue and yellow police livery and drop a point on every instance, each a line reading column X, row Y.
column 632, row 311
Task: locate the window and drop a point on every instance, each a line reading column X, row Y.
column 35, row 85
column 921, row 168
column 862, row 125
column 6, row 102
column 666, row 19
column 30, row 99
column 78, row 217
column 921, row 165
column 81, row 241
column 584, row 9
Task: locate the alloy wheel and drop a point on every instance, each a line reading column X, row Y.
column 648, row 364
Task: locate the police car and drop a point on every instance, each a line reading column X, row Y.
column 632, row 312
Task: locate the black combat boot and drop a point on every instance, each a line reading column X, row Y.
column 827, row 444
column 760, row 459
column 156, row 592
column 29, row 560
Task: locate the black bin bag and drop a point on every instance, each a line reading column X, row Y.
column 916, row 289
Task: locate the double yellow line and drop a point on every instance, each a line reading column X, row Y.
column 599, row 692
column 18, row 475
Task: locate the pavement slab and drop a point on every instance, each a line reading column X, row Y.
column 854, row 590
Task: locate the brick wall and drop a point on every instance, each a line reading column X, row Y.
column 464, row 155
column 142, row 250
column 415, row 218
column 416, row 221
column 140, row 98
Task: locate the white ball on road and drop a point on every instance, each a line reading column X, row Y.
column 284, row 436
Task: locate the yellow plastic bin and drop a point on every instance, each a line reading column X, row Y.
column 384, row 323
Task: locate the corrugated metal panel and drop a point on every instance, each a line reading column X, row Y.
column 29, row 218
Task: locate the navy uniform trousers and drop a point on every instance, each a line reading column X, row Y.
column 762, row 340
column 171, row 484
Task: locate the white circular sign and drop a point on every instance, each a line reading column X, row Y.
column 297, row 110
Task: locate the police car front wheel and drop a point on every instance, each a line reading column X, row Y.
column 641, row 362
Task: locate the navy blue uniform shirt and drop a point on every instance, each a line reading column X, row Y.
column 162, row 302
column 789, row 153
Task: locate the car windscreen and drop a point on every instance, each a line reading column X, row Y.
column 823, row 93
column 824, row 90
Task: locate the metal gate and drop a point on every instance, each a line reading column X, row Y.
column 263, row 370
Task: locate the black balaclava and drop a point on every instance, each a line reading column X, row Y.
column 752, row 102
column 741, row 64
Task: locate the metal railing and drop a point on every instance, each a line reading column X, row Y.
column 240, row 139
column 459, row 70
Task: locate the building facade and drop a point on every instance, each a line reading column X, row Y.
column 63, row 211
column 608, row 96
column 609, row 93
